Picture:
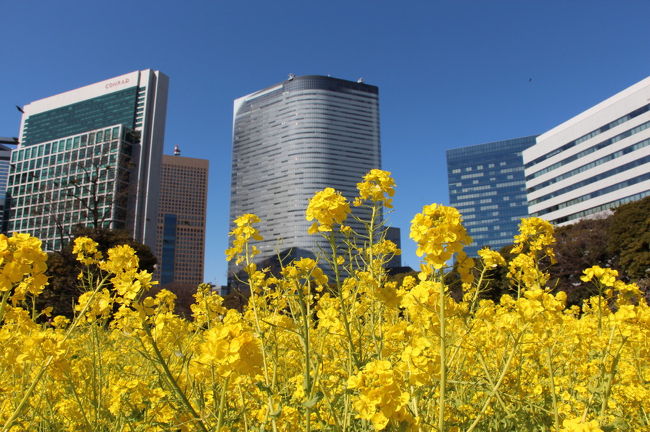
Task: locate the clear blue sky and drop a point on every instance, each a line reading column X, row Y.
column 450, row 73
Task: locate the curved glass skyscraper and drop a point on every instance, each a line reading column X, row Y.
column 293, row 139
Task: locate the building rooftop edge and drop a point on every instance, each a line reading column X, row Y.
column 181, row 158
column 478, row 146
column 33, row 107
column 300, row 78
column 599, row 106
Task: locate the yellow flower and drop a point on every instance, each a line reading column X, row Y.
column 537, row 235
column 491, row 258
column 377, row 185
column 328, row 207
column 380, row 399
column 523, row 268
column 243, row 233
column 578, row 425
column 231, row 348
column 605, row 276
column 439, row 234
column 86, row 250
column 121, row 259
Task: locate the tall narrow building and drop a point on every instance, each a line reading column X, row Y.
column 7, row 145
column 293, row 139
column 487, row 186
column 91, row 156
column 181, row 221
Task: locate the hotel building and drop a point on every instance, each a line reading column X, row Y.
column 487, row 186
column 91, row 156
column 593, row 162
column 181, row 221
column 293, row 139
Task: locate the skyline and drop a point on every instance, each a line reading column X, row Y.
column 450, row 74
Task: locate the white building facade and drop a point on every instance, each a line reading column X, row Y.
column 593, row 162
column 91, row 155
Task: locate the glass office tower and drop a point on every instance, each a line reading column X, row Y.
column 91, row 156
column 487, row 186
column 293, row 139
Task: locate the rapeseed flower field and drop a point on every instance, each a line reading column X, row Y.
column 353, row 352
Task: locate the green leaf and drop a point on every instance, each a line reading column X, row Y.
column 313, row 401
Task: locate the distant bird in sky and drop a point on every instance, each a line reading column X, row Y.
column 530, row 80
column 20, row 109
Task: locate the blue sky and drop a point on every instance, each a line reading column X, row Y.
column 450, row 73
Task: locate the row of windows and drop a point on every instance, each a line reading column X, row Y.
column 82, row 162
column 595, row 194
column 601, row 176
column 602, row 207
column 590, row 150
column 65, row 144
column 590, row 165
column 590, row 135
column 476, row 195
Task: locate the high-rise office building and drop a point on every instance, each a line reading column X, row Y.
column 593, row 162
column 91, row 156
column 6, row 147
column 293, row 139
column 487, row 186
column 181, row 221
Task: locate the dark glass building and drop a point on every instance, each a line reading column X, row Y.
column 6, row 146
column 487, row 186
column 293, row 139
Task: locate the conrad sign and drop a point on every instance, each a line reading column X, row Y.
column 116, row 83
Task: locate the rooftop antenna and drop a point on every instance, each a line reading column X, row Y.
column 177, row 151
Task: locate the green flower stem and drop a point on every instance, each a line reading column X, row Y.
column 551, row 371
column 344, row 309
column 496, row 386
column 610, row 377
column 170, row 378
column 258, row 328
column 222, row 404
column 3, row 302
column 443, row 360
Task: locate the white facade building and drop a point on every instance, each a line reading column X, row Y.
column 103, row 141
column 593, row 162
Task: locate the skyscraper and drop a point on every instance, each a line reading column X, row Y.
column 487, row 186
column 6, row 146
column 91, row 156
column 293, row 139
column 181, row 220
column 594, row 161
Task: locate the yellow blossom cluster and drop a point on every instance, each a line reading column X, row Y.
column 328, row 208
column 439, row 234
column 243, row 233
column 357, row 352
column 491, row 259
column 377, row 185
column 22, row 267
